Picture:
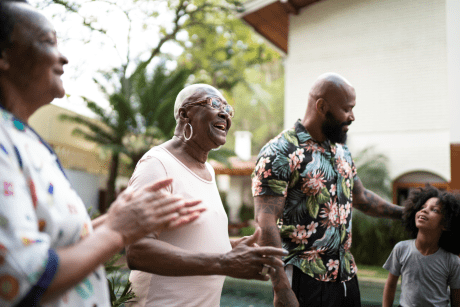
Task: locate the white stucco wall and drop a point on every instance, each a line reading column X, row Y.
column 395, row 54
column 453, row 58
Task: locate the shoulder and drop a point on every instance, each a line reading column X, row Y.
column 403, row 246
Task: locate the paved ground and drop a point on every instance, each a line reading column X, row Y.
column 243, row 293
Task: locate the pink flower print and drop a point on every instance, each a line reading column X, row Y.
column 312, row 228
column 312, row 184
column 313, row 254
column 296, row 158
column 299, row 235
column 348, row 207
column 267, row 173
column 354, row 171
column 343, row 215
column 331, row 214
column 347, row 244
column 343, row 167
column 263, row 162
column 8, row 188
column 333, row 189
column 256, row 186
column 324, row 277
column 332, row 264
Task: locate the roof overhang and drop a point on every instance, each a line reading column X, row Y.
column 270, row 18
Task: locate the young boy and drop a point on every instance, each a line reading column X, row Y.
column 429, row 263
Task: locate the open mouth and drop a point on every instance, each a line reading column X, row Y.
column 421, row 217
column 220, row 126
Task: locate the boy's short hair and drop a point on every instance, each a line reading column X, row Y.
column 450, row 238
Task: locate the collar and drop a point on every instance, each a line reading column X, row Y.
column 20, row 125
column 303, row 135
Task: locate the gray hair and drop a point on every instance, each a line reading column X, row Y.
column 186, row 93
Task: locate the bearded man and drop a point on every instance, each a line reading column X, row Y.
column 305, row 186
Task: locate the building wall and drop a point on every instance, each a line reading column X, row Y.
column 395, row 54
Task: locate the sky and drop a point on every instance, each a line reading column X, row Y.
column 90, row 52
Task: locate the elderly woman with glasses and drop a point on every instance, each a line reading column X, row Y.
column 51, row 253
column 200, row 252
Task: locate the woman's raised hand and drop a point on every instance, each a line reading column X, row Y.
column 136, row 213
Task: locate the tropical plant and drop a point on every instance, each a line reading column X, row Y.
column 120, row 290
column 132, row 126
column 374, row 238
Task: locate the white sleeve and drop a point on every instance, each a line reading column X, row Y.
column 27, row 264
column 149, row 170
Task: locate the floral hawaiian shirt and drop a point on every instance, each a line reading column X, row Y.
column 317, row 182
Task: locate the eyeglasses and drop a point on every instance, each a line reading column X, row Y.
column 215, row 103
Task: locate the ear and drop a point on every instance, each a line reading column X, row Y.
column 4, row 63
column 321, row 106
column 183, row 116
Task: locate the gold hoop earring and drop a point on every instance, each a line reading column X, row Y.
column 191, row 132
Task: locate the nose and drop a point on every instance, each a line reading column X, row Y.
column 63, row 59
column 352, row 116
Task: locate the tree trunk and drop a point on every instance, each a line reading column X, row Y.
column 113, row 172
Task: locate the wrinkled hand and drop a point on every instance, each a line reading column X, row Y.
column 135, row 214
column 247, row 261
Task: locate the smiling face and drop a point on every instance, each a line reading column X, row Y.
column 210, row 125
column 431, row 216
column 33, row 63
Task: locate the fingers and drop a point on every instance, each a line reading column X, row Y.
column 250, row 240
column 158, row 185
column 272, row 261
column 192, row 203
column 271, row 251
column 184, row 220
column 168, row 205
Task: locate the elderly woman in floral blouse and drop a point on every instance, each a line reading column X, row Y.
column 44, row 259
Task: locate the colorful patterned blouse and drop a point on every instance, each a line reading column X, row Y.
column 39, row 212
column 317, row 182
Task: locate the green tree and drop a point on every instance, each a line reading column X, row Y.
column 197, row 19
column 133, row 126
column 374, row 238
column 259, row 104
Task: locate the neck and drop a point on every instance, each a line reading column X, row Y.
column 313, row 128
column 427, row 242
column 190, row 148
column 15, row 103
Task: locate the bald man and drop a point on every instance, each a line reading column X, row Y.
column 306, row 178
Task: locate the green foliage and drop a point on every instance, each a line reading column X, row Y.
column 119, row 285
column 259, row 104
column 247, row 231
column 223, row 197
column 374, row 238
column 246, row 213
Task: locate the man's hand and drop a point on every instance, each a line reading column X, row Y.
column 247, row 261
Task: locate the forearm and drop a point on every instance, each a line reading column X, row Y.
column 373, row 205
column 161, row 258
column 98, row 221
column 388, row 295
column 79, row 260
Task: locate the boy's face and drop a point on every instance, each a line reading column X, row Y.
column 430, row 216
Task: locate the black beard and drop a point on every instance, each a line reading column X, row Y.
column 333, row 129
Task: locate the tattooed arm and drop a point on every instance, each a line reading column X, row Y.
column 372, row 204
column 268, row 209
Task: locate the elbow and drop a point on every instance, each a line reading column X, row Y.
column 131, row 258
